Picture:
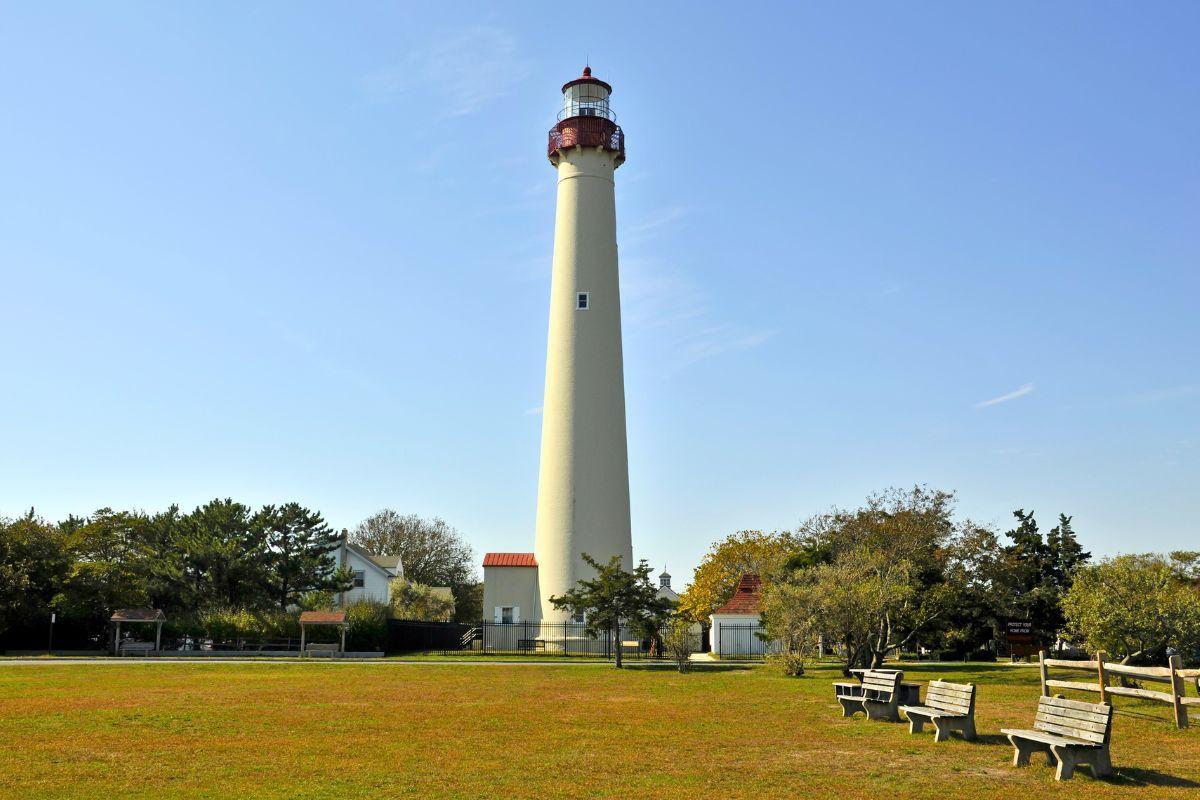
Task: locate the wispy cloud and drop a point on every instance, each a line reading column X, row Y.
column 1021, row 391
column 665, row 305
column 643, row 228
column 467, row 70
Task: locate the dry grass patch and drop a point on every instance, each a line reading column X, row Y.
column 349, row 730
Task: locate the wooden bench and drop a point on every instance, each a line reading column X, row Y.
column 322, row 648
column 1069, row 731
column 949, row 706
column 878, row 696
column 142, row 648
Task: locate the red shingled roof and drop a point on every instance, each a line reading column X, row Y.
column 509, row 560
column 746, row 599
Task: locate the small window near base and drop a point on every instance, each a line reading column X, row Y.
column 583, row 301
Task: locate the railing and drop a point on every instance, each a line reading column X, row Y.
column 1174, row 675
column 594, row 109
column 543, row 639
column 742, row 642
column 587, row 132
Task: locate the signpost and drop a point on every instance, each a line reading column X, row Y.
column 1021, row 639
column 50, row 641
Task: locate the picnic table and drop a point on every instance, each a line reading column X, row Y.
column 910, row 693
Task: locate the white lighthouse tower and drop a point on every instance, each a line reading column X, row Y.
column 583, row 486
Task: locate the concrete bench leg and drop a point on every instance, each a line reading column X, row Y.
column 968, row 729
column 877, row 710
column 851, row 706
column 942, row 729
column 1023, row 749
column 1066, row 763
column 916, row 723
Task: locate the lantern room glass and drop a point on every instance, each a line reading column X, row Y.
column 586, row 99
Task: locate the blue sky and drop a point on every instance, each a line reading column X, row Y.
column 299, row 251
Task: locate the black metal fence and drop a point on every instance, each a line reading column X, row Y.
column 541, row 639
column 741, row 642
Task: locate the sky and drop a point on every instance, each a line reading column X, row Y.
column 301, row 251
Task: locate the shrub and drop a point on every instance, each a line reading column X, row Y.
column 678, row 642
column 226, row 624
column 981, row 655
column 791, row 664
column 367, row 621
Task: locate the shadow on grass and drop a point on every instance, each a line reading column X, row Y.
column 1131, row 776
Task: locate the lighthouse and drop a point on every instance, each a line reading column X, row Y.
column 583, row 482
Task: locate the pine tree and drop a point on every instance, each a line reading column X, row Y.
column 615, row 598
column 299, row 545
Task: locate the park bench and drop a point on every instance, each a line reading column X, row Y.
column 1068, row 731
column 878, row 696
column 531, row 645
column 949, row 706
column 330, row 648
column 129, row 647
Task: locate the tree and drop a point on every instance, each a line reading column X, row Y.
column 431, row 550
column 224, row 556
column 468, row 602
column 299, row 546
column 108, row 567
column 416, row 601
column 1042, row 570
column 716, row 579
column 33, row 565
column 1137, row 607
column 615, row 598
column 678, row 642
column 895, row 548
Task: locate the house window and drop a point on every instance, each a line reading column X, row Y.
column 506, row 615
column 579, row 618
column 582, row 301
column 360, row 578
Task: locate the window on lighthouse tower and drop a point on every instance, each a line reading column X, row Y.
column 582, row 301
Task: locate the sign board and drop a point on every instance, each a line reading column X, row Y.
column 1020, row 631
column 52, row 615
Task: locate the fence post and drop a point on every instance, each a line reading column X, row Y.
column 1175, row 662
column 1042, row 669
column 1102, row 675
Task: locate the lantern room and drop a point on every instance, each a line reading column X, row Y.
column 586, row 119
column 586, row 97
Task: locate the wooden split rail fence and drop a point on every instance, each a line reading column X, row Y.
column 1174, row 675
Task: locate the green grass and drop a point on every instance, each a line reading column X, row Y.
column 327, row 730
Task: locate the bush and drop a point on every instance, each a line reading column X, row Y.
column 791, row 664
column 981, row 655
column 367, row 621
column 678, row 642
column 227, row 624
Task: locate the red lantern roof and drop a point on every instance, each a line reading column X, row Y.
column 586, row 78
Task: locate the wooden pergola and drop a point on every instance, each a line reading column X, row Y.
column 337, row 618
column 131, row 615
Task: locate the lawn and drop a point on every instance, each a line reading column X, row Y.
column 458, row 730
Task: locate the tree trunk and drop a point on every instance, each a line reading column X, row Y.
column 617, row 643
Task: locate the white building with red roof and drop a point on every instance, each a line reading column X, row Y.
column 735, row 624
column 510, row 587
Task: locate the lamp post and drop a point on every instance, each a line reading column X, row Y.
column 50, row 640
